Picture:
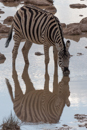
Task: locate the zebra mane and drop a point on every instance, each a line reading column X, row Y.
column 60, row 28
column 39, row 10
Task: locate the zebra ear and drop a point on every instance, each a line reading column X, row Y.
column 67, row 45
column 67, row 102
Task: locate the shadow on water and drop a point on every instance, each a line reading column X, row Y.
column 39, row 105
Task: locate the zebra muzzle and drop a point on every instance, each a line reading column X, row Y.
column 66, row 71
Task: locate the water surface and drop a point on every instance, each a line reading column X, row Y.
column 78, row 70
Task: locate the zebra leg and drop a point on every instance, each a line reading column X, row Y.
column 55, row 81
column 46, row 51
column 55, row 53
column 17, row 40
column 9, row 89
column 25, row 51
column 18, row 91
column 46, row 89
column 15, row 52
column 27, row 80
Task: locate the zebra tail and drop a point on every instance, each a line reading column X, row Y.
column 9, row 36
column 9, row 89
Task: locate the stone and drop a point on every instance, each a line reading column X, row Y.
column 81, row 15
column 38, row 2
column 63, row 25
column 11, row 4
column 38, row 53
column 79, row 54
column 51, row 9
column 2, row 12
column 4, row 29
column 2, row 58
column 74, row 30
column 84, row 20
column 9, row 19
column 83, row 27
column 10, row 0
column 78, row 6
column 73, row 25
column 34, row 2
column 50, row 1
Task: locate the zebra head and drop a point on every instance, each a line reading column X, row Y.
column 63, row 58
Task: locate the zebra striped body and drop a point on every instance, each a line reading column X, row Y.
column 38, row 26
column 31, row 108
column 39, row 105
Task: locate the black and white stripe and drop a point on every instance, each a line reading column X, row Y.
column 33, row 22
column 37, row 26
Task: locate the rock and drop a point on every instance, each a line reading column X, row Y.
column 50, row 1
column 2, row 58
column 63, row 25
column 34, row 2
column 84, row 20
column 10, row 0
column 11, row 4
column 81, row 15
column 9, row 19
column 73, row 25
column 78, row 6
column 2, row 12
column 4, row 29
column 51, row 9
column 74, row 30
column 79, row 54
column 38, row 2
column 83, row 27
column 38, row 53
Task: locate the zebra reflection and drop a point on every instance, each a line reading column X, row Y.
column 39, row 105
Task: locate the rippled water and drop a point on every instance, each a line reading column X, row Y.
column 36, row 72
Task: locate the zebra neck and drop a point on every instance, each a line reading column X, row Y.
column 60, row 47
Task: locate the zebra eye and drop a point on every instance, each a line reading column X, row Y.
column 60, row 58
column 60, row 64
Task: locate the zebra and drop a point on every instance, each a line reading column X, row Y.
column 37, row 106
column 41, row 27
